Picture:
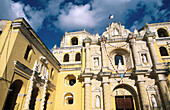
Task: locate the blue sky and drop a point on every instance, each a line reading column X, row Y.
column 52, row 18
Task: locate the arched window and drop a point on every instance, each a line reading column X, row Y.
column 163, row 51
column 66, row 58
column 74, row 41
column 13, row 94
column 118, row 58
column 68, row 98
column 46, row 99
column 28, row 52
column 78, row 57
column 162, row 32
column 33, row 98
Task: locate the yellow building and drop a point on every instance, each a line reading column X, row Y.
column 28, row 70
column 119, row 70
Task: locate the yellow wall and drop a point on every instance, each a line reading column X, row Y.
column 13, row 47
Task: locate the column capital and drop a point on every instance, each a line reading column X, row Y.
column 85, row 75
column 161, row 77
column 105, row 74
column 140, row 78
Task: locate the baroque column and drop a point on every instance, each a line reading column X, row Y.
column 87, row 45
column 106, row 89
column 152, row 49
column 143, row 93
column 163, row 90
column 30, row 88
column 134, row 52
column 104, row 57
column 87, row 90
column 87, row 96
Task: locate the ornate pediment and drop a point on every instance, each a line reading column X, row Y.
column 116, row 30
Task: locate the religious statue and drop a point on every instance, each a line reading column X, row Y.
column 96, row 62
column 97, row 103
column 120, row 65
column 154, row 102
column 144, row 60
column 116, row 32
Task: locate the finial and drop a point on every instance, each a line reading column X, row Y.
column 55, row 46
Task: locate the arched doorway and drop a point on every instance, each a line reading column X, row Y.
column 12, row 95
column 125, row 97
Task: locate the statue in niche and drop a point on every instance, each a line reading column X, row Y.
column 154, row 101
column 116, row 32
column 97, row 103
column 119, row 65
column 96, row 62
column 144, row 60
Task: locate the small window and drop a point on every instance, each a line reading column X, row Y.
column 162, row 33
column 74, row 41
column 28, row 52
column 66, row 58
column 118, row 58
column 70, row 80
column 163, row 51
column 68, row 98
column 78, row 57
column 51, row 75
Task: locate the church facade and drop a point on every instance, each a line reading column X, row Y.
column 119, row 70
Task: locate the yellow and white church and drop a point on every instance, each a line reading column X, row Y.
column 118, row 70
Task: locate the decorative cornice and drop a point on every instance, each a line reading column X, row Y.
column 33, row 38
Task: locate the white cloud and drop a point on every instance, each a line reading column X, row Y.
column 92, row 16
column 78, row 17
column 11, row 10
column 36, row 17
